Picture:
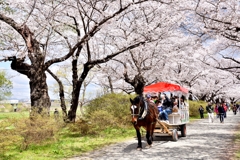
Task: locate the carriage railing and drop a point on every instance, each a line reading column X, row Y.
column 182, row 116
column 184, row 113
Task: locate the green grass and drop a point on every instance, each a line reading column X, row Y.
column 5, row 115
column 65, row 143
column 70, row 144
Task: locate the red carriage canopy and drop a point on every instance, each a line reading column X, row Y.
column 164, row 87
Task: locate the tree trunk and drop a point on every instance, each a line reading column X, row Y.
column 61, row 95
column 81, row 108
column 110, row 83
column 82, row 102
column 74, row 102
column 138, row 83
column 40, row 100
column 76, row 89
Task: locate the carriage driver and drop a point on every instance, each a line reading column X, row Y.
column 146, row 101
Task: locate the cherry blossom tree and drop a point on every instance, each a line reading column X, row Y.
column 149, row 62
column 41, row 34
column 214, row 23
column 182, row 63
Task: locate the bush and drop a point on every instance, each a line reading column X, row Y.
column 110, row 110
column 116, row 105
column 36, row 130
column 8, row 135
column 193, row 108
column 102, row 119
column 22, row 132
column 81, row 126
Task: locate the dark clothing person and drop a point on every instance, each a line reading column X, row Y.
column 201, row 111
column 167, row 107
column 221, row 112
column 167, row 103
column 56, row 114
column 209, row 108
column 234, row 109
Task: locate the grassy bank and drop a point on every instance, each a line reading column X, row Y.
column 68, row 144
column 106, row 121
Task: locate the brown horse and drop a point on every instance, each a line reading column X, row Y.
column 148, row 123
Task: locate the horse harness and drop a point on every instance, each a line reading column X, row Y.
column 146, row 106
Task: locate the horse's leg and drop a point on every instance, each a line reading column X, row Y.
column 152, row 129
column 148, row 135
column 139, row 147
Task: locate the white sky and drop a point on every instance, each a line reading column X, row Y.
column 21, row 89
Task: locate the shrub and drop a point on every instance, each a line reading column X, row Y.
column 81, row 126
column 116, row 105
column 110, row 110
column 193, row 107
column 36, row 130
column 102, row 119
column 22, row 132
column 8, row 135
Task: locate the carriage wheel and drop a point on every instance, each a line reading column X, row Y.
column 183, row 130
column 174, row 135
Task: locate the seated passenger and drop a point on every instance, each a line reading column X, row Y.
column 175, row 107
column 160, row 108
column 167, row 107
column 154, row 98
column 183, row 104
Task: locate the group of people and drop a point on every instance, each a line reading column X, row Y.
column 219, row 109
column 165, row 105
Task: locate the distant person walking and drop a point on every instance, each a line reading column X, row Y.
column 56, row 114
column 15, row 108
column 234, row 109
column 201, row 111
column 225, row 108
column 209, row 109
column 216, row 110
column 221, row 111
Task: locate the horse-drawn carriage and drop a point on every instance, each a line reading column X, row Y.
column 151, row 123
column 177, row 120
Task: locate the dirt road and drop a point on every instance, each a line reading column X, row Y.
column 204, row 141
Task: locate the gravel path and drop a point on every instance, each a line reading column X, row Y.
column 204, row 141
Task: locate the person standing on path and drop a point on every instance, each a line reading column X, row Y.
column 216, row 110
column 234, row 109
column 209, row 109
column 225, row 108
column 201, row 111
column 222, row 112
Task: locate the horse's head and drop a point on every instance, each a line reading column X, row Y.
column 135, row 108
